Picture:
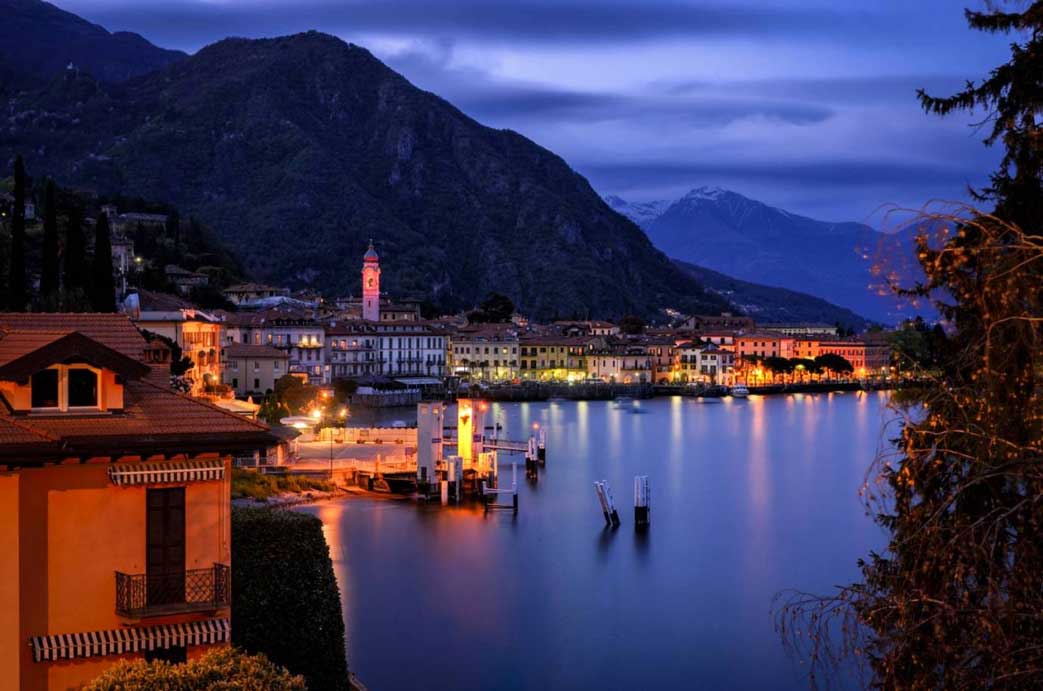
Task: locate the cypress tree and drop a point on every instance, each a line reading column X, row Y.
column 49, row 268
column 75, row 275
column 173, row 229
column 102, row 288
column 16, row 289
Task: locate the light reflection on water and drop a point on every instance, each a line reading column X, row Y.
column 748, row 498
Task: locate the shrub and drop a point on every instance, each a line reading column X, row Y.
column 224, row 669
column 285, row 600
column 248, row 483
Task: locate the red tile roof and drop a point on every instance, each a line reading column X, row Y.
column 154, row 419
column 250, row 350
column 114, row 330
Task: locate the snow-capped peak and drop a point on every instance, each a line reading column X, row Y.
column 711, row 193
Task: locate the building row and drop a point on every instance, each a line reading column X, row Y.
column 371, row 337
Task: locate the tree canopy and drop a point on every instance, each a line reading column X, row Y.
column 954, row 600
column 495, row 309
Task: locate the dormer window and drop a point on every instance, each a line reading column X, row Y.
column 66, row 388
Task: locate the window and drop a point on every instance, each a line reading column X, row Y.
column 83, row 388
column 45, row 389
column 257, row 384
column 65, row 386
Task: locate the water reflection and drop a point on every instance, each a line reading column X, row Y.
column 748, row 497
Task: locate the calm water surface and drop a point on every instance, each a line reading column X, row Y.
column 748, row 498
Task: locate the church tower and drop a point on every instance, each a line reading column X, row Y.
column 371, row 285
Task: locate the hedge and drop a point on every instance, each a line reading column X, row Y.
column 285, row 600
column 225, row 669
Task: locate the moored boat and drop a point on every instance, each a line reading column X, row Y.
column 739, row 391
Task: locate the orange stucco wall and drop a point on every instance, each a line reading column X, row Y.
column 11, row 641
column 71, row 530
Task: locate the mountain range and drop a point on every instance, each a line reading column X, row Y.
column 37, row 40
column 722, row 231
column 298, row 150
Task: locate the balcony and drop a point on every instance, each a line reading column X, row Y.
column 195, row 590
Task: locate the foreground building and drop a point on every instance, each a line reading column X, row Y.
column 253, row 369
column 197, row 333
column 115, row 503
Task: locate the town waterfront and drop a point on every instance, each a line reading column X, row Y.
column 749, row 497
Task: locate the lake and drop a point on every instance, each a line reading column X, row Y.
column 749, row 497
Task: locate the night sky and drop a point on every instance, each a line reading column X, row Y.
column 804, row 104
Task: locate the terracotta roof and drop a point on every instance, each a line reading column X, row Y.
column 151, row 301
column 41, row 350
column 154, row 418
column 114, row 330
column 250, row 350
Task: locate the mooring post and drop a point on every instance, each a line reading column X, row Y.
column 608, row 505
column 642, row 502
column 541, row 450
column 599, row 490
column 613, row 514
column 514, row 486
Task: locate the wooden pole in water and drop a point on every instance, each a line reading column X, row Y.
column 599, row 490
column 642, row 502
column 608, row 505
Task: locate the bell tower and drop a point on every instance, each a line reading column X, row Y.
column 371, row 285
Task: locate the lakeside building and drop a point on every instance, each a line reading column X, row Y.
column 351, row 350
column 245, row 294
column 723, row 323
column 587, row 328
column 115, row 504
column 253, row 369
column 289, row 329
column 763, row 344
column 552, row 358
column 621, row 364
column 197, row 333
column 706, row 363
column 801, row 329
column 868, row 355
column 388, row 339
column 487, row 352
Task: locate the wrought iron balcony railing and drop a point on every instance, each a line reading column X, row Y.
column 195, row 590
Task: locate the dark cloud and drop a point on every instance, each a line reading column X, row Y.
column 839, row 90
column 496, row 100
column 822, row 175
column 185, row 23
column 808, row 103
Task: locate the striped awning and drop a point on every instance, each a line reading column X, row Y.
column 66, row 646
column 155, row 472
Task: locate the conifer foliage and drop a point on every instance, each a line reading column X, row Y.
column 103, row 288
column 955, row 601
column 50, row 259
column 16, row 287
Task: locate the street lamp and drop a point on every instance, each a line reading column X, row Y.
column 342, row 414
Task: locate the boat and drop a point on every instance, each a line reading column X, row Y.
column 739, row 391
